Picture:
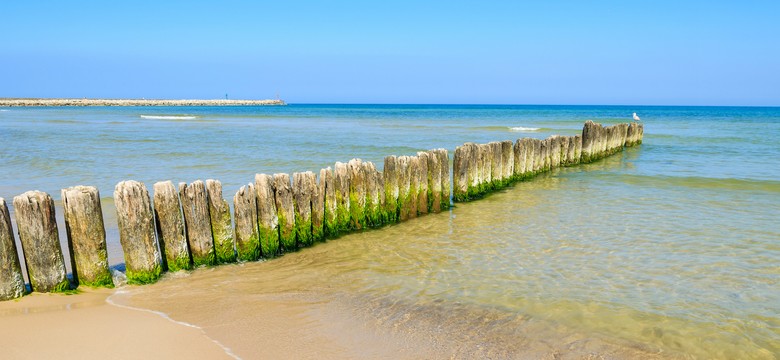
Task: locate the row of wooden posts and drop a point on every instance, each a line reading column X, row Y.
column 192, row 226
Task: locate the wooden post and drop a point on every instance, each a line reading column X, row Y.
column 404, row 187
column 267, row 218
column 538, row 156
column 414, row 185
column 496, row 165
column 460, row 173
column 564, row 151
column 170, row 227
column 444, row 162
column 570, row 150
column 603, row 140
column 374, row 200
column 37, row 228
column 318, row 209
column 486, row 162
column 86, row 236
column 357, row 194
column 546, row 154
column 221, row 224
column 341, row 184
column 246, row 230
column 136, row 232
column 285, row 210
column 390, row 177
column 577, row 149
column 422, row 183
column 304, row 185
column 508, row 166
column 195, row 206
column 11, row 280
column 434, row 181
column 328, row 187
column 589, row 130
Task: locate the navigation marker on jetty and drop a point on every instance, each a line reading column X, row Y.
column 136, row 232
column 11, row 280
column 86, row 236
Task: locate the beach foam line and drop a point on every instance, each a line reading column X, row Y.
column 523, row 129
column 165, row 316
column 169, row 117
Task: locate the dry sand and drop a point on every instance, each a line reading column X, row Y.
column 85, row 326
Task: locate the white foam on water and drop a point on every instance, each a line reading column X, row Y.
column 169, row 117
column 4, row 110
column 524, row 129
column 165, row 316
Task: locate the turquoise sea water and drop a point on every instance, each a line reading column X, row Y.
column 675, row 243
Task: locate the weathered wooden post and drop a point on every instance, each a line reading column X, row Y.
column 404, row 187
column 37, row 228
column 221, row 224
column 11, row 280
column 564, row 153
column 486, row 161
column 570, row 145
column 170, row 227
column 434, row 181
column 577, row 149
column 374, row 202
column 538, row 156
column 357, row 194
column 508, row 157
column 520, row 152
column 460, row 173
column 414, row 185
column 444, row 162
column 390, row 177
column 267, row 218
column 304, row 185
column 285, row 210
column 245, row 217
column 341, row 184
column 327, row 187
column 318, row 209
column 589, row 133
column 603, row 134
column 422, row 183
column 195, row 206
column 86, row 236
column 546, row 144
column 496, row 165
column 136, row 232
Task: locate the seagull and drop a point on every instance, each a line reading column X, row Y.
column 636, row 118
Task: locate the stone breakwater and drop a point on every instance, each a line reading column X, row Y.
column 275, row 214
column 135, row 102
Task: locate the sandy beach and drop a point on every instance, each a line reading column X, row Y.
column 14, row 102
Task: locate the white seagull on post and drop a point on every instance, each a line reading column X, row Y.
column 636, row 118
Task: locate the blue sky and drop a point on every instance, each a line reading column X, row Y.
column 504, row 52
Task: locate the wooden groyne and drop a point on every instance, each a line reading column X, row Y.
column 182, row 229
column 136, row 102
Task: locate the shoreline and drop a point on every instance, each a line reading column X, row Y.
column 39, row 102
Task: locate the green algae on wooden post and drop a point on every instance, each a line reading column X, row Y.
column 422, row 183
column 35, row 221
column 577, row 149
column 414, row 186
column 86, row 236
column 136, row 232
column 221, row 224
column 267, row 217
column 444, row 163
column 496, row 165
column 460, row 174
column 318, row 209
column 404, row 187
column 11, row 280
column 538, row 156
column 328, row 188
column 170, row 227
column 341, row 187
column 434, row 181
column 357, row 194
column 246, row 230
column 589, row 130
column 197, row 221
column 374, row 195
column 303, row 188
column 390, row 177
column 285, row 210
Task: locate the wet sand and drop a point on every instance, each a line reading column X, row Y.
column 85, row 326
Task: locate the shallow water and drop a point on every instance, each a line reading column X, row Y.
column 670, row 247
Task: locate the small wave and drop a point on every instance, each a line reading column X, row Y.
column 4, row 110
column 169, row 117
column 523, row 129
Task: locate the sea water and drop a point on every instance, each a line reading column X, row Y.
column 672, row 246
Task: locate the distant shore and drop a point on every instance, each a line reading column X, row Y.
column 133, row 102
